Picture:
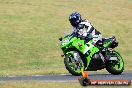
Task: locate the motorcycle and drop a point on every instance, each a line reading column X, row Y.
column 79, row 54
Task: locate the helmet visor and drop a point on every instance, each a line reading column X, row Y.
column 73, row 22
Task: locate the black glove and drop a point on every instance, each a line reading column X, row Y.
column 99, row 43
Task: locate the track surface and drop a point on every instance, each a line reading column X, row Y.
column 66, row 77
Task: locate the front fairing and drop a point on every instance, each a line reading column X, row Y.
column 67, row 40
column 71, row 41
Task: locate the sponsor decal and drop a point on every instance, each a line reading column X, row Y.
column 85, row 81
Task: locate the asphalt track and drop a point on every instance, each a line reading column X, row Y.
column 66, row 77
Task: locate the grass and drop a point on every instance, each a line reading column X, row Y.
column 29, row 32
column 40, row 84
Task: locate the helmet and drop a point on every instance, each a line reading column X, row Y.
column 75, row 19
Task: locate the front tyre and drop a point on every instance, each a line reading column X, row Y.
column 74, row 67
column 115, row 67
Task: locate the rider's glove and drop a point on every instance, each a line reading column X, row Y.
column 99, row 43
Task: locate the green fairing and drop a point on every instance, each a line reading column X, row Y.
column 66, row 45
column 92, row 51
column 70, row 44
column 83, row 48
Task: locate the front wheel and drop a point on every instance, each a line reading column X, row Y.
column 115, row 67
column 74, row 67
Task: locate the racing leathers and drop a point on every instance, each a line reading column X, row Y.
column 87, row 32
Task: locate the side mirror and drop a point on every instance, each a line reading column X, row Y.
column 60, row 38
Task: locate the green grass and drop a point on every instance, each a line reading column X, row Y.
column 29, row 31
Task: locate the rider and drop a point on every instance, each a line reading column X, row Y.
column 84, row 29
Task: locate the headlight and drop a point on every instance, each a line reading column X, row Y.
column 63, row 42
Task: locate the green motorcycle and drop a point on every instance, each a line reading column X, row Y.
column 80, row 54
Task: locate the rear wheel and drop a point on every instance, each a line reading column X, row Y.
column 74, row 67
column 115, row 67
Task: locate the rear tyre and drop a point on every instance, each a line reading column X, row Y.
column 71, row 66
column 115, row 68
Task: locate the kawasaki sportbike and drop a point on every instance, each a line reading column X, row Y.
column 79, row 54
